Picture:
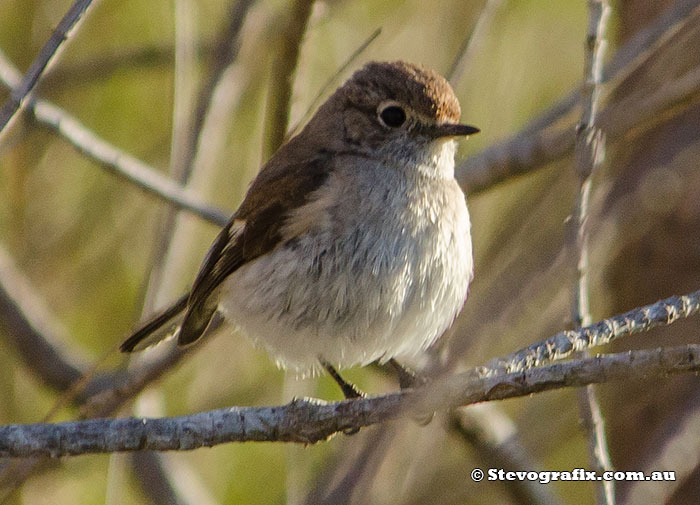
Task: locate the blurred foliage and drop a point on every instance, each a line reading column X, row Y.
column 86, row 238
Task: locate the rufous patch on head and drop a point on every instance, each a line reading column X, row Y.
column 426, row 91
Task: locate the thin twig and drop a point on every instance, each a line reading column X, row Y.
column 282, row 75
column 471, row 43
column 636, row 51
column 309, row 421
column 123, row 388
column 152, row 57
column 589, row 154
column 148, row 466
column 48, row 51
column 113, row 159
column 330, row 81
column 225, row 52
column 188, row 124
column 184, row 90
column 354, row 481
column 124, row 165
column 530, row 150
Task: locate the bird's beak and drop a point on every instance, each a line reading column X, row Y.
column 451, row 130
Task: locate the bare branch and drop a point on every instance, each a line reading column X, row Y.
column 48, row 51
column 282, row 76
column 589, row 154
column 680, row 451
column 565, row 343
column 225, row 52
column 124, row 59
column 558, row 347
column 552, row 135
column 472, row 42
column 309, row 421
column 114, row 160
column 32, row 331
column 188, row 127
column 331, row 80
column 486, row 428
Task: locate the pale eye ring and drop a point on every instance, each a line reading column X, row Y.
column 392, row 115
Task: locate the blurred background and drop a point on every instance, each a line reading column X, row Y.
column 85, row 253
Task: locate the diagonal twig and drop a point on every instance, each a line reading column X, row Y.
column 471, row 43
column 551, row 136
column 330, row 81
column 225, row 52
column 113, row 159
column 493, row 435
column 48, row 51
column 32, row 331
column 565, row 343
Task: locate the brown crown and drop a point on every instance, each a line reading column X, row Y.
column 424, row 90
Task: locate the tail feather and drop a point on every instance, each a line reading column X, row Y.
column 147, row 334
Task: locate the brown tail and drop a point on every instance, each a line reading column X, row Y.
column 140, row 338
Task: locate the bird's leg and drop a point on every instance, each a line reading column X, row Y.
column 349, row 390
column 407, row 377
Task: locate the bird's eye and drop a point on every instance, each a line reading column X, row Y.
column 393, row 116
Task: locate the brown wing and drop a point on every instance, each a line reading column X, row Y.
column 255, row 229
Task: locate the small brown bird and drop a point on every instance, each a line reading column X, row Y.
column 353, row 243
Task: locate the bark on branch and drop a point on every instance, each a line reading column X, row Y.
column 308, row 421
column 565, row 343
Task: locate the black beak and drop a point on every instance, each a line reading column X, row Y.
column 450, row 130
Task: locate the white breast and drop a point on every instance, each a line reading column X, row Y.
column 382, row 275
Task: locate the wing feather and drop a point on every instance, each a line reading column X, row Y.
column 255, row 229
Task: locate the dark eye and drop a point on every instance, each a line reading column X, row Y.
column 393, row 116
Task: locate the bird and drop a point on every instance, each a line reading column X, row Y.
column 352, row 244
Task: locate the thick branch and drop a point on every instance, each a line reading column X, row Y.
column 309, row 421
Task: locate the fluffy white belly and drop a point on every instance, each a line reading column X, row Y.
column 387, row 288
